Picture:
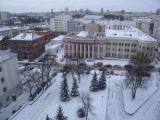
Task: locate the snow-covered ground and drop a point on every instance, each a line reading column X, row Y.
column 142, row 94
column 109, row 103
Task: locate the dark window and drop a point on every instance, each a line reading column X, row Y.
column 4, row 89
column 0, row 68
column 2, row 80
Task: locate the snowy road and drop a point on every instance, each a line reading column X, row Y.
column 115, row 99
column 31, row 112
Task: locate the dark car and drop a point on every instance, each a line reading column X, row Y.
column 54, row 74
column 39, row 90
column 30, row 68
column 128, row 66
column 108, row 66
column 102, row 69
column 117, row 66
column 82, row 64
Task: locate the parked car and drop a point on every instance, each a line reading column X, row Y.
column 54, row 74
column 30, row 68
column 39, row 90
column 117, row 66
column 98, row 64
column 108, row 66
column 87, row 72
column 82, row 64
column 32, row 96
column 150, row 67
column 128, row 66
column 102, row 69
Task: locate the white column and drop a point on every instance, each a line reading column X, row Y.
column 92, row 51
column 76, row 50
column 72, row 50
column 104, row 52
column 84, row 50
column 80, row 50
column 88, row 51
column 98, row 52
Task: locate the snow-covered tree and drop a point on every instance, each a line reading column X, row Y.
column 87, row 104
column 94, row 83
column 74, row 91
column 59, row 115
column 47, row 118
column 102, row 81
column 64, row 90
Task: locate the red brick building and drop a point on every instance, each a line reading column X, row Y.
column 28, row 45
column 49, row 34
column 4, row 42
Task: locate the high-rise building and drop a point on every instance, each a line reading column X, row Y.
column 59, row 23
column 5, row 16
column 10, row 83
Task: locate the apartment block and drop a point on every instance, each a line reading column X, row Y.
column 59, row 23
column 10, row 83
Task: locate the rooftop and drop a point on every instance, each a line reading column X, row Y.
column 4, row 28
column 5, row 55
column 129, row 34
column 60, row 37
column 1, row 37
column 26, row 36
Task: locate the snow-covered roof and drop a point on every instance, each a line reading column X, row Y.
column 5, row 55
column 83, row 34
column 60, row 37
column 1, row 37
column 26, row 36
column 4, row 28
column 129, row 34
column 54, row 46
column 92, row 17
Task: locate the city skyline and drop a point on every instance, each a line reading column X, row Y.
column 17, row 6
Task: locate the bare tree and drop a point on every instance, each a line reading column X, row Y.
column 137, row 75
column 87, row 104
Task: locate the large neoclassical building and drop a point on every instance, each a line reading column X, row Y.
column 114, row 43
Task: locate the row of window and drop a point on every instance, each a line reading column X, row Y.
column 120, row 49
column 119, row 55
column 146, row 48
column 121, row 44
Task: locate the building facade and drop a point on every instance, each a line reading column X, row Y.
column 10, row 83
column 4, row 42
column 59, row 23
column 28, row 45
column 129, row 43
column 84, row 46
column 4, row 16
column 116, row 44
column 74, row 26
column 6, row 32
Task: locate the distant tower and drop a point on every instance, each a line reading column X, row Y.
column 158, row 11
column 102, row 12
column 52, row 11
column 87, row 11
column 66, row 9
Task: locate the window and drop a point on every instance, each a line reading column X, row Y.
column 101, row 49
column 4, row 89
column 2, row 80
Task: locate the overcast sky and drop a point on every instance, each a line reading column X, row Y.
column 19, row 6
